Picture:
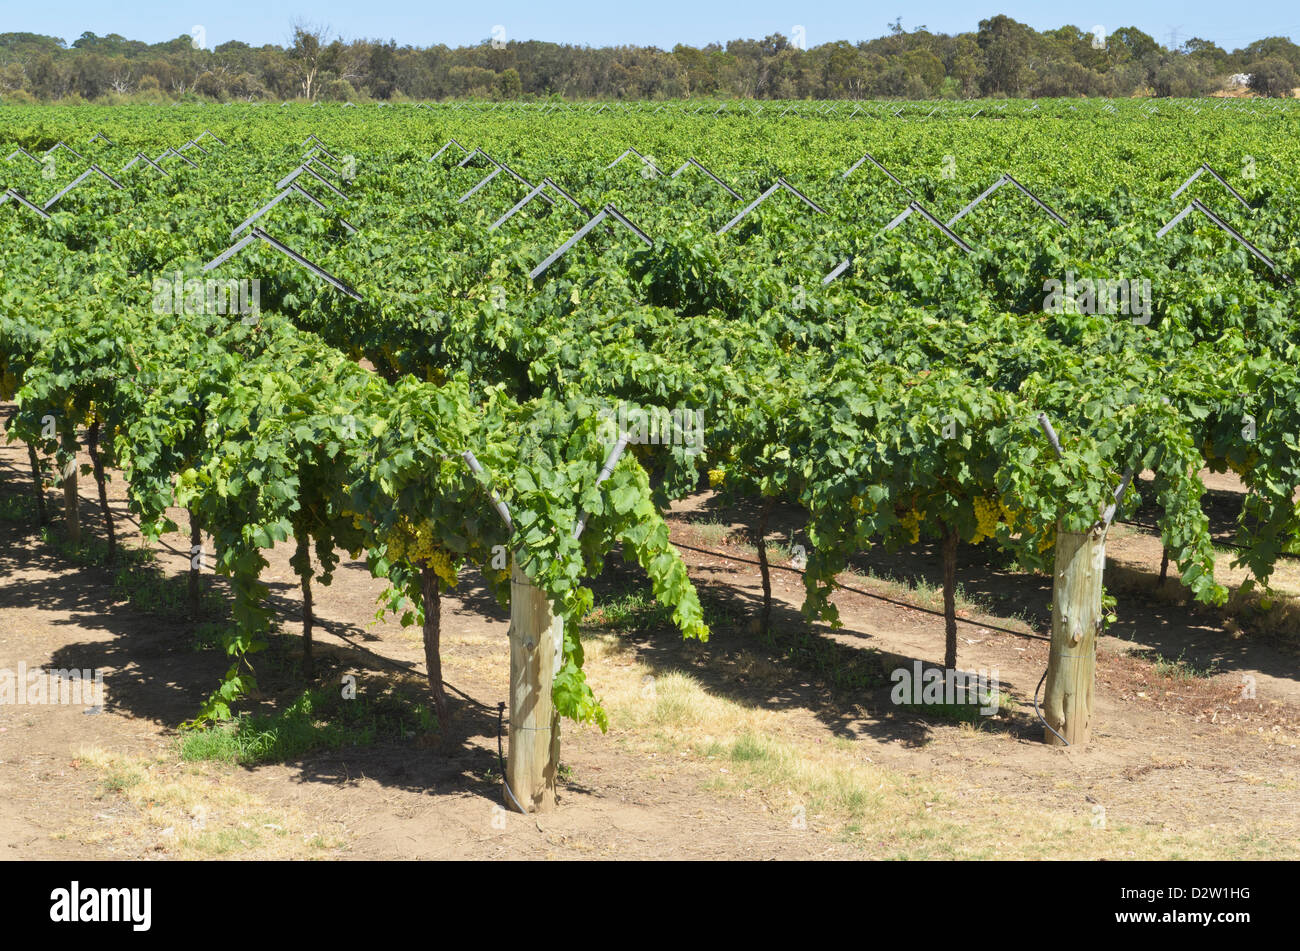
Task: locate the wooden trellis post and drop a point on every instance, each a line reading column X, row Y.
column 536, row 653
column 536, row 648
column 1076, row 621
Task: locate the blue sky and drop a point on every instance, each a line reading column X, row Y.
column 644, row 22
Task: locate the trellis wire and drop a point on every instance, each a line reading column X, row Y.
column 778, row 184
column 1196, row 205
column 82, row 177
column 1201, row 171
column 12, row 193
column 609, row 211
column 255, row 234
column 869, row 158
column 292, row 188
column 693, row 161
column 1004, row 179
column 916, row 207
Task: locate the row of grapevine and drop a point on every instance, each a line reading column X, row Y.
column 909, row 398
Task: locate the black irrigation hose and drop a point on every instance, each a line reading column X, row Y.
column 879, row 597
column 480, row 705
column 868, row 594
column 501, row 708
column 501, row 758
column 456, row 690
column 1040, row 716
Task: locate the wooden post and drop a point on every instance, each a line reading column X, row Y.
column 536, row 646
column 71, row 502
column 1076, row 621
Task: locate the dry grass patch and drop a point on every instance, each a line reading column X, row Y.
column 192, row 811
column 824, row 784
column 828, row 785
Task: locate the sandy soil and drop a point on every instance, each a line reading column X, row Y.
column 1179, row 767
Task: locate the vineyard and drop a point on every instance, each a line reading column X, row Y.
column 496, row 346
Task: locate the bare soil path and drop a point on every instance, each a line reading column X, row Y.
column 737, row 748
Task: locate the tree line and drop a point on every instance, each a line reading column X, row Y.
column 1002, row 58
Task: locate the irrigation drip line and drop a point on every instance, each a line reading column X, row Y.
column 501, row 758
column 458, row 691
column 869, row 594
column 1040, row 715
column 396, row 665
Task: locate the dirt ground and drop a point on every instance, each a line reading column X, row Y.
column 737, row 748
